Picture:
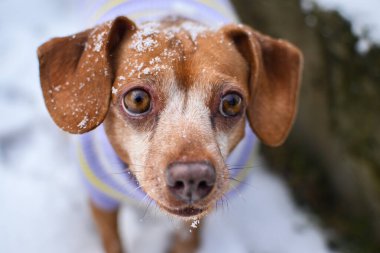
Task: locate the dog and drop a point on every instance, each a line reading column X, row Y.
column 165, row 103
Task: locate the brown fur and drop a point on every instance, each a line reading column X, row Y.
column 106, row 223
column 79, row 72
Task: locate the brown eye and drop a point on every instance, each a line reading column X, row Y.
column 231, row 105
column 137, row 101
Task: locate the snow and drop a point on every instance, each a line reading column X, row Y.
column 83, row 123
column 144, row 38
column 155, row 60
column 99, row 41
column 363, row 15
column 43, row 203
column 194, row 29
column 195, row 223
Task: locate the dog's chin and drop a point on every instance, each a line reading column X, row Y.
column 186, row 212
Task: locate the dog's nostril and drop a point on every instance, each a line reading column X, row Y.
column 178, row 185
column 204, row 189
column 202, row 185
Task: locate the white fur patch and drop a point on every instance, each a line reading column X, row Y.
column 223, row 144
column 184, row 113
column 187, row 116
column 137, row 143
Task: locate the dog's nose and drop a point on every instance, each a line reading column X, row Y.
column 190, row 182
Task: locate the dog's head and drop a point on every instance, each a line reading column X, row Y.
column 174, row 97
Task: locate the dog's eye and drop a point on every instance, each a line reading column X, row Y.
column 137, row 101
column 231, row 105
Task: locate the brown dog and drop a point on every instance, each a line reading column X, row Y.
column 180, row 115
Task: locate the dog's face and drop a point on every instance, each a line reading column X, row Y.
column 180, row 100
column 174, row 97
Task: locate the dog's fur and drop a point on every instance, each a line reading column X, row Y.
column 85, row 76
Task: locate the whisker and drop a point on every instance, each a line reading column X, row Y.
column 227, row 203
column 144, row 198
column 241, row 182
column 244, row 166
column 237, row 180
column 119, row 173
column 146, row 209
column 127, row 171
column 138, row 187
column 223, row 208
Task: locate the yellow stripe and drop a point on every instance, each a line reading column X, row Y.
column 105, row 8
column 98, row 184
column 221, row 8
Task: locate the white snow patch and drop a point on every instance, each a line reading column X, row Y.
column 195, row 223
column 98, row 44
column 146, row 71
column 194, row 29
column 364, row 16
column 84, row 122
column 139, row 67
column 155, row 60
column 143, row 39
column 57, row 88
column 142, row 45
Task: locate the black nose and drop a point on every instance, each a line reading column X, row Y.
column 190, row 182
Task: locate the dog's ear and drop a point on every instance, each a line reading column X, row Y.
column 76, row 75
column 275, row 71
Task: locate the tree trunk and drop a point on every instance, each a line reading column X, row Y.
column 332, row 157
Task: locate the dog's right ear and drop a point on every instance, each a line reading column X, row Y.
column 76, row 74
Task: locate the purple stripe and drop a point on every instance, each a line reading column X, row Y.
column 99, row 198
column 95, row 165
column 120, row 166
column 250, row 140
column 92, row 159
column 137, row 6
column 108, row 149
column 238, row 188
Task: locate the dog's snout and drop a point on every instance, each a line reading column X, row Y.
column 190, row 182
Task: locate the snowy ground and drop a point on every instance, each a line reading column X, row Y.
column 43, row 206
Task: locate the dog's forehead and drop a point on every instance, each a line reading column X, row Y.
column 183, row 50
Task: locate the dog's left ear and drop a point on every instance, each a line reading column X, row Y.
column 76, row 74
column 275, row 71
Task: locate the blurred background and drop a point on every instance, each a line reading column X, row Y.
column 332, row 159
column 319, row 192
